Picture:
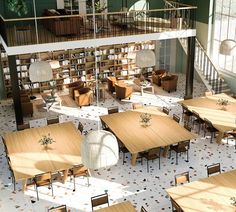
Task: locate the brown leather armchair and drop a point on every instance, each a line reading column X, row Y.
column 26, row 106
column 83, row 96
column 111, row 84
column 169, row 83
column 123, row 91
column 74, row 86
column 157, row 75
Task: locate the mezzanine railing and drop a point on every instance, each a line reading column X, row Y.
column 59, row 28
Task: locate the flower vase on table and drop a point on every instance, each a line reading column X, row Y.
column 145, row 119
column 46, row 140
column 222, row 103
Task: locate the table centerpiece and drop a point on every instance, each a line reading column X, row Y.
column 223, row 103
column 46, row 140
column 145, row 119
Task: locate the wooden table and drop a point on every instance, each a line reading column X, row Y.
column 120, row 207
column 162, row 132
column 147, row 87
column 29, row 158
column 207, row 107
column 207, row 195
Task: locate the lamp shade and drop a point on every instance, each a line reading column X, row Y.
column 54, row 64
column 99, row 149
column 228, row 47
column 145, row 58
column 40, row 71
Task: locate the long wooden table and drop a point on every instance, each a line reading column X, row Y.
column 120, row 207
column 162, row 132
column 207, row 107
column 29, row 158
column 207, row 195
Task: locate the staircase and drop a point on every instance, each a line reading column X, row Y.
column 206, row 69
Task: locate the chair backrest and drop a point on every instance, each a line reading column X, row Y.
column 176, row 118
column 175, row 206
column 182, row 178
column 53, row 120
column 213, row 169
column 185, row 108
column 208, row 123
column 165, row 110
column 195, row 114
column 61, row 208
column 23, row 126
column 154, row 151
column 113, row 110
column 99, row 200
column 187, row 127
column 65, row 118
column 43, row 179
column 184, row 145
column 80, row 127
column 143, row 209
column 38, row 123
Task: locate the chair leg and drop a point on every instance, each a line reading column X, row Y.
column 176, row 158
column 211, row 137
column 187, row 156
column 159, row 162
column 147, row 166
column 52, row 190
column 74, row 184
column 88, row 180
column 37, row 193
column 123, row 158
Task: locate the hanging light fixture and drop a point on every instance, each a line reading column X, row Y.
column 228, row 47
column 40, row 71
column 145, row 58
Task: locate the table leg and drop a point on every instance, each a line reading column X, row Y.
column 153, row 89
column 219, row 137
column 134, row 158
column 24, row 185
column 65, row 174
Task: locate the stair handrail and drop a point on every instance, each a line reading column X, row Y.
column 214, row 72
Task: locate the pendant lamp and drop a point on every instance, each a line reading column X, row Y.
column 228, row 47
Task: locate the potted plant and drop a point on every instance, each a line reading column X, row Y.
column 46, row 140
column 223, row 103
column 145, row 119
column 18, row 6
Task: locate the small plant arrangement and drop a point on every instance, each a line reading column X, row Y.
column 223, row 103
column 145, row 119
column 234, row 201
column 145, row 83
column 46, row 140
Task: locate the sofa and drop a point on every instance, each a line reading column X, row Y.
column 83, row 96
column 62, row 26
column 157, row 75
column 26, row 105
column 169, row 82
column 74, row 86
column 123, row 91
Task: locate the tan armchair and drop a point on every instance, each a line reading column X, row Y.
column 74, row 86
column 123, row 91
column 83, row 96
column 157, row 75
column 111, row 84
column 169, row 83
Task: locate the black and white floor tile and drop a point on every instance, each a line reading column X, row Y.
column 122, row 182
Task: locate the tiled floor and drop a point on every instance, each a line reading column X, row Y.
column 123, row 182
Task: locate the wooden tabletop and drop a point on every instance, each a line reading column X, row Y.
column 163, row 131
column 207, row 107
column 120, row 207
column 207, row 195
column 29, row 158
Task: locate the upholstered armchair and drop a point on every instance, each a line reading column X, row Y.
column 74, row 86
column 157, row 75
column 83, row 96
column 111, row 84
column 123, row 91
column 169, row 83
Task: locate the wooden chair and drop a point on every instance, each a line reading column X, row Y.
column 44, row 179
column 53, row 120
column 11, row 172
column 99, row 200
column 182, row 178
column 197, row 121
column 38, row 123
column 182, row 146
column 23, row 126
column 175, row 206
column 143, row 209
column 112, row 110
column 124, row 150
column 176, row 118
column 187, row 127
column 186, row 114
column 212, row 169
column 232, row 135
column 165, row 110
column 80, row 127
column 152, row 154
column 61, row 208
column 210, row 128
column 79, row 171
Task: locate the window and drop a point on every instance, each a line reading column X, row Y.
column 224, row 28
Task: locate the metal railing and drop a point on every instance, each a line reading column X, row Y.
column 209, row 71
column 59, row 28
